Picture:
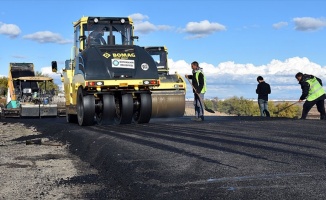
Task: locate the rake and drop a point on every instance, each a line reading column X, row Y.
column 206, row 108
column 278, row 112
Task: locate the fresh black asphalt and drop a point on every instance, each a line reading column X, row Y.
column 220, row 158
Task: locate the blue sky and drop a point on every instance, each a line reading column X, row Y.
column 233, row 41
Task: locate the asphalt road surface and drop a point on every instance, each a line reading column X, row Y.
column 220, row 158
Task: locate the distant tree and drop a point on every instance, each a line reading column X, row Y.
column 3, row 85
column 49, row 85
column 237, row 106
column 244, row 107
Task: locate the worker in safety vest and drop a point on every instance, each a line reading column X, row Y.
column 198, row 82
column 313, row 92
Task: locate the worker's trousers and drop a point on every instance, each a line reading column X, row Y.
column 309, row 104
column 199, row 105
column 263, row 106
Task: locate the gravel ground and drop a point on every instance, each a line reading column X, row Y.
column 45, row 170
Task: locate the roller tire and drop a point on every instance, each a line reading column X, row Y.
column 85, row 108
column 106, row 114
column 124, row 109
column 144, row 113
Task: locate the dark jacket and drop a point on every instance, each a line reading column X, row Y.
column 305, row 85
column 263, row 89
column 197, row 85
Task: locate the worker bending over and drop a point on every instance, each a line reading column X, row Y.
column 313, row 92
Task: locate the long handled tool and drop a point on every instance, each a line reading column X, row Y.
column 206, row 108
column 286, row 107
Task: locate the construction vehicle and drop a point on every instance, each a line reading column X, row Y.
column 108, row 79
column 169, row 97
column 25, row 97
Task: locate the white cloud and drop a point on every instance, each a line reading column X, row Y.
column 11, row 30
column 19, row 56
column 48, row 71
column 280, row 25
column 203, row 28
column 276, row 67
column 164, row 27
column 229, row 79
column 47, row 37
column 138, row 17
column 309, row 23
column 195, row 29
column 143, row 26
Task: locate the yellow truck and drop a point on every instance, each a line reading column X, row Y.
column 25, row 97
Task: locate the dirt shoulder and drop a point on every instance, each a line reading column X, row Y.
column 44, row 170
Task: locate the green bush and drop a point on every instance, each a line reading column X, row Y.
column 243, row 107
column 3, row 85
column 237, row 106
column 286, row 110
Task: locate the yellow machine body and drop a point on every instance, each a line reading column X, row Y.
column 108, row 78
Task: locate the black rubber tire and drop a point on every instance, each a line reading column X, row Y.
column 71, row 118
column 85, row 108
column 124, row 109
column 144, row 113
column 106, row 114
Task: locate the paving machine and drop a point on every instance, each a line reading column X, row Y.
column 108, row 79
column 26, row 97
column 169, row 97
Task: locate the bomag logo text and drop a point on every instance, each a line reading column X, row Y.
column 123, row 55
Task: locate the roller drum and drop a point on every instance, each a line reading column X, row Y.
column 168, row 104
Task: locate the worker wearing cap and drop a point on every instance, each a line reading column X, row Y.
column 199, row 88
column 263, row 89
column 313, row 92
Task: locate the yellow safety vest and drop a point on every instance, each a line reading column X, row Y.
column 315, row 90
column 204, row 87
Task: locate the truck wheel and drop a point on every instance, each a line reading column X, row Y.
column 107, row 113
column 143, row 114
column 124, row 109
column 85, row 109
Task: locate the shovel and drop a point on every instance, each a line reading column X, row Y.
column 206, row 108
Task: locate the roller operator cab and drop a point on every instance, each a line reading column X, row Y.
column 108, row 79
